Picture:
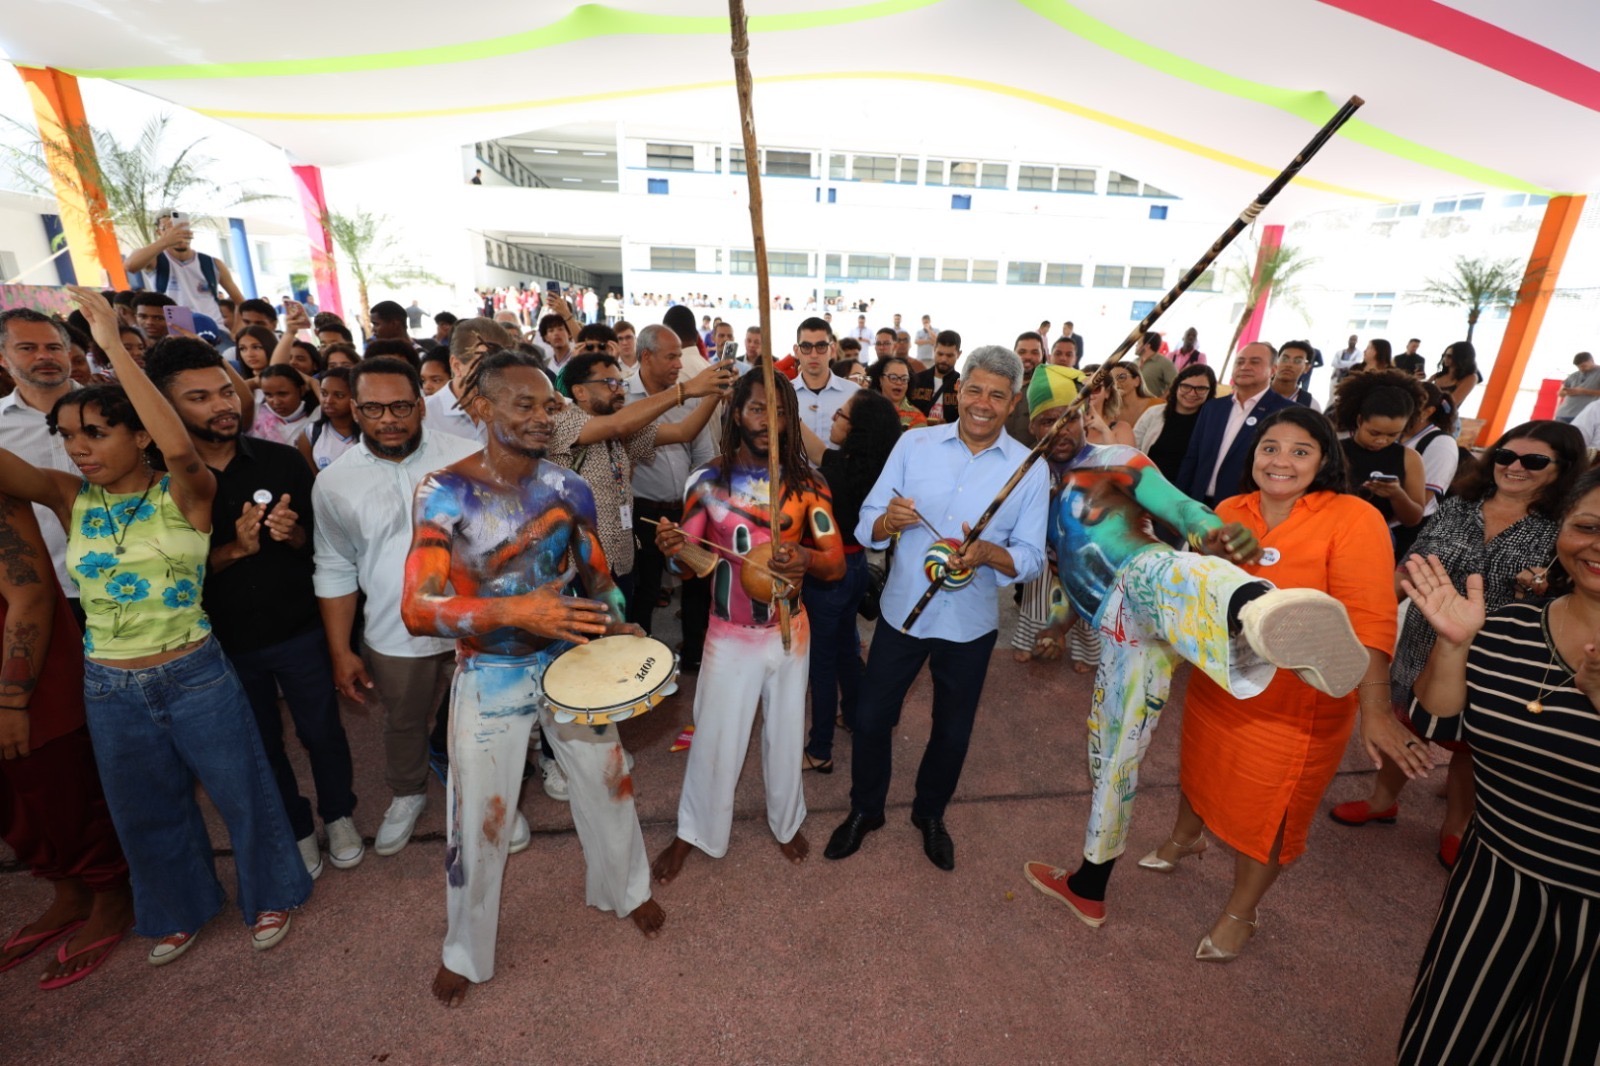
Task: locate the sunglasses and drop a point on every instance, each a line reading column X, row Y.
column 1531, row 462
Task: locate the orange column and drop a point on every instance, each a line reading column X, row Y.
column 1522, row 329
column 69, row 150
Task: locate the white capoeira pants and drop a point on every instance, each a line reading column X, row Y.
column 744, row 665
column 493, row 704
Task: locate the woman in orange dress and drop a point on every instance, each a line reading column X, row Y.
column 1254, row 771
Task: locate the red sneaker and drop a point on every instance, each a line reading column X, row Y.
column 1449, row 851
column 1360, row 812
column 1052, row 881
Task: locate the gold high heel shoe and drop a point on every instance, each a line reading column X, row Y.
column 1209, row 952
column 1154, row 861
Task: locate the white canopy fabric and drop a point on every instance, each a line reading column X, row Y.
column 1206, row 99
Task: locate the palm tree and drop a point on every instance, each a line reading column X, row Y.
column 139, row 180
column 1477, row 285
column 1275, row 279
column 370, row 251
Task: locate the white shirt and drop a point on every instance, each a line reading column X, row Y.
column 23, row 432
column 1439, row 464
column 439, row 412
column 363, row 533
column 1587, row 423
column 663, row 478
column 925, row 339
column 1238, row 411
column 817, row 408
column 186, row 283
column 861, row 333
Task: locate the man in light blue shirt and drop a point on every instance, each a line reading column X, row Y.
column 946, row 475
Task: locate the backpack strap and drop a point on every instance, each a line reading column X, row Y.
column 163, row 273
column 208, row 270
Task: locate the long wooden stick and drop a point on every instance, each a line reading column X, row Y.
column 1236, row 227
column 758, row 239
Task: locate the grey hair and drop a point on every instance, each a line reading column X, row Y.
column 28, row 314
column 999, row 360
column 649, row 339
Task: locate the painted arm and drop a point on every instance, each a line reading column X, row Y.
column 30, row 617
column 1161, row 498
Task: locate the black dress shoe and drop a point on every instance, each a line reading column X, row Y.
column 936, row 842
column 846, row 839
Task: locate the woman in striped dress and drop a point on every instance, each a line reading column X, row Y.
column 1510, row 972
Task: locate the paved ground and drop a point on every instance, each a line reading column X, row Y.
column 878, row 958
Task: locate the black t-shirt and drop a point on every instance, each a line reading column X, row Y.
column 1361, row 463
column 846, row 504
column 265, row 598
column 925, row 383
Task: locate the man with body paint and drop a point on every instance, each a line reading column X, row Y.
column 727, row 503
column 1155, row 607
column 498, row 529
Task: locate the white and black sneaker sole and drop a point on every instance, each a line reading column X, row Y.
column 1309, row 632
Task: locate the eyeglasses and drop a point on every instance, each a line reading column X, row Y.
column 806, row 347
column 400, row 409
column 840, row 414
column 898, row 379
column 1531, row 461
column 1194, row 388
column 611, row 383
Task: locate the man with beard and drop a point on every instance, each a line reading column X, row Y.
column 1030, row 349
column 510, row 616
column 933, row 391
column 727, row 503
column 259, row 595
column 361, row 546
column 1154, row 607
column 603, row 439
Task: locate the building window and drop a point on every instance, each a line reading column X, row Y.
column 875, row 167
column 875, row 267
column 1063, row 274
column 1207, row 281
column 834, row 265
column 1410, row 210
column 779, row 264
column 1036, row 179
column 1470, row 203
column 994, row 175
column 1147, row 278
column 964, row 175
column 953, row 270
column 672, row 259
column 1108, row 277
column 985, row 271
column 1158, row 212
column 786, row 164
column 925, row 269
column 1140, row 309
column 836, row 164
column 902, row 268
column 1118, row 184
column 1151, row 190
column 1444, row 207
column 669, row 156
column 736, row 161
column 1023, row 273
column 1074, row 179
column 1516, row 199
column 960, row 201
column 656, row 186
column 1387, row 211
column 935, row 172
column 908, row 170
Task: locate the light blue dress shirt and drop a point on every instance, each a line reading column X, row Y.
column 950, row 486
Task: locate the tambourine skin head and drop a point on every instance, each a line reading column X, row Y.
column 609, row 680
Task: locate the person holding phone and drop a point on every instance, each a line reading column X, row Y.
column 171, row 266
column 1371, row 412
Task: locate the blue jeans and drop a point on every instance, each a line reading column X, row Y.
column 157, row 730
column 300, row 667
column 835, row 651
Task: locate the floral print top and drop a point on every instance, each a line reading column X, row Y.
column 139, row 567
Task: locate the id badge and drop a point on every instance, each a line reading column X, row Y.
column 627, row 516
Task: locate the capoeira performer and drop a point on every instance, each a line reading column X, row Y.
column 498, row 528
column 726, row 503
column 1155, row 607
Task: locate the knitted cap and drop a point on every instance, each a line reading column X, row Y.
column 1052, row 386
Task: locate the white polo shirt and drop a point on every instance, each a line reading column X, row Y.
column 439, row 412
column 24, row 433
column 817, row 406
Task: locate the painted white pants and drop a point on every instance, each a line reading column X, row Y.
column 492, row 707
column 744, row 665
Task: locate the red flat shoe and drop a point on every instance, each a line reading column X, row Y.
column 1449, row 851
column 1360, row 812
column 105, row 947
column 1052, row 881
column 36, row 943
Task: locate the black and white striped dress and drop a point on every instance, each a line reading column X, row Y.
column 1512, row 969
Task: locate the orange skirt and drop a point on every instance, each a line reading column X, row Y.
column 1251, row 766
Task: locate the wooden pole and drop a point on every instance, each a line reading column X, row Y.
column 758, row 238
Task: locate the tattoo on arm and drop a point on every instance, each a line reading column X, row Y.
column 16, row 554
column 17, row 675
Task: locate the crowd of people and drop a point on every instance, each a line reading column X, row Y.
column 246, row 515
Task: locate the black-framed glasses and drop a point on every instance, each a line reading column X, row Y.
column 1532, row 462
column 806, row 347
column 611, row 383
column 400, row 409
column 1201, row 389
column 898, row 379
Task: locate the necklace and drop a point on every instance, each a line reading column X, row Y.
column 118, row 535
column 1536, row 705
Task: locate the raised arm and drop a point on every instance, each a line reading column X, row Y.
column 1162, row 499
column 640, row 413
column 142, row 258
column 687, row 430
column 194, row 484
column 30, row 598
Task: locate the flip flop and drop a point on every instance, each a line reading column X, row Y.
column 109, row 944
column 38, row 940
column 685, row 738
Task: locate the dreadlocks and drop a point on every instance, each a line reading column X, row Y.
column 485, row 368
column 797, row 469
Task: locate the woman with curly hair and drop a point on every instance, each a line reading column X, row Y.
column 892, row 378
column 1371, row 413
column 864, row 432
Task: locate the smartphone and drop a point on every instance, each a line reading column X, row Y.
column 179, row 317
column 1382, row 477
column 553, row 286
column 179, row 218
column 730, row 351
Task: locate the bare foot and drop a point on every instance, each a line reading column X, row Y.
column 670, row 861
column 1081, row 668
column 1020, row 656
column 72, row 903
column 112, row 914
column 796, row 849
column 449, row 987
column 649, row 917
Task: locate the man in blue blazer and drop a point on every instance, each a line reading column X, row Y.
column 1220, row 447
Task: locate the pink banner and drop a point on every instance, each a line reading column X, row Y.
column 1271, row 238
column 42, row 298
column 308, row 179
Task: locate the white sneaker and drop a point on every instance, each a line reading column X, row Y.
column 555, row 782
column 521, row 835
column 1309, row 632
column 345, row 846
column 311, row 855
column 398, row 822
